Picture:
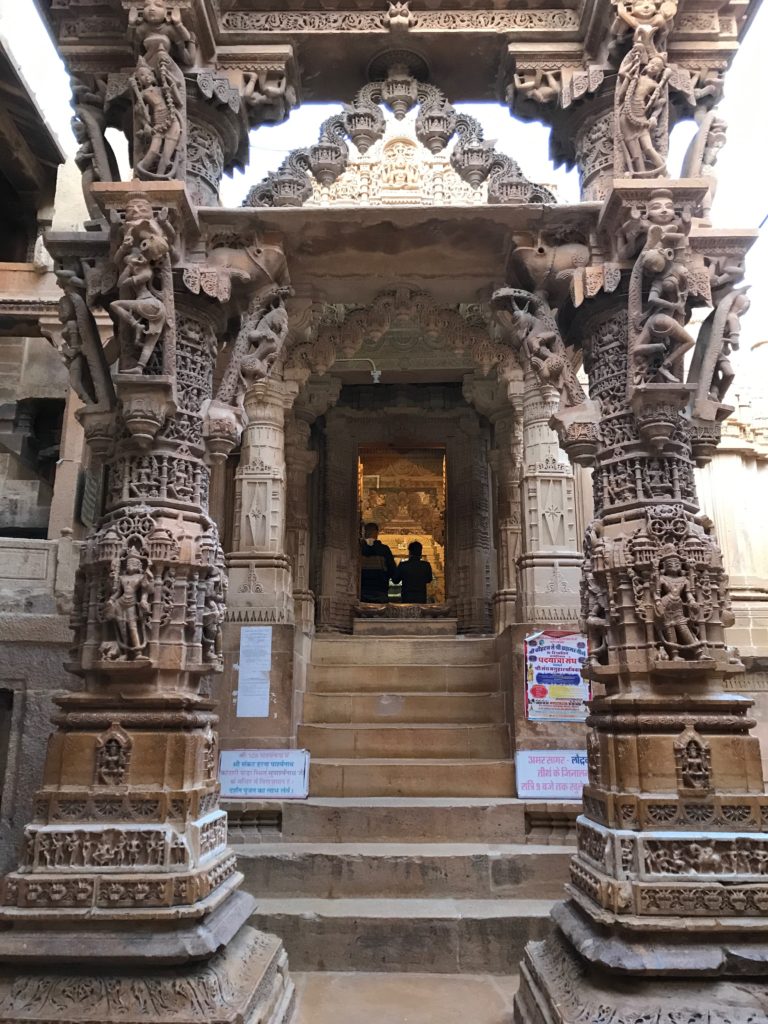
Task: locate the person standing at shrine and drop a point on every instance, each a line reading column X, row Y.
column 414, row 573
column 377, row 565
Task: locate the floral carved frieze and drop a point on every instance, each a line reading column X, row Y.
column 400, row 16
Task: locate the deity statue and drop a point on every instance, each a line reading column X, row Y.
column 641, row 98
column 128, row 606
column 594, row 617
column 269, row 96
column 81, row 346
column 718, row 338
column 94, row 157
column 659, row 212
column 539, row 86
column 157, row 27
column 661, row 332
column 142, row 258
column 531, row 326
column 694, row 765
column 649, row 22
column 213, row 616
column 159, row 106
column 145, row 313
column 675, row 608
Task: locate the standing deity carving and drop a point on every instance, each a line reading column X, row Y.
column 711, row 369
column 642, row 88
column 94, row 157
column 675, row 608
column 128, row 606
column 81, row 346
column 159, row 109
column 158, row 89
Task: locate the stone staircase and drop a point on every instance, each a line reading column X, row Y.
column 440, row 885
column 411, row 854
column 407, row 716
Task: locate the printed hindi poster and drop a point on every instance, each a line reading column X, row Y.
column 551, row 774
column 554, row 688
column 254, row 667
column 264, row 774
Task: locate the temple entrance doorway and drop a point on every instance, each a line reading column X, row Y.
column 414, row 459
column 403, row 489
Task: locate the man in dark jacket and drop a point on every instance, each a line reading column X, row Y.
column 414, row 574
column 377, row 565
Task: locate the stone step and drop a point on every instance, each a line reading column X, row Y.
column 405, row 741
column 351, row 650
column 404, row 707
column 404, row 627
column 351, row 777
column 381, row 820
column 407, row 678
column 327, row 997
column 449, row 936
column 404, row 870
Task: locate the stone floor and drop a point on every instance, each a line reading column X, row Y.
column 360, row 998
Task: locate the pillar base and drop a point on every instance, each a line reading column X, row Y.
column 558, row 987
column 245, row 983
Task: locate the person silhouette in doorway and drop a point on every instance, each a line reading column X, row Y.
column 414, row 573
column 377, row 566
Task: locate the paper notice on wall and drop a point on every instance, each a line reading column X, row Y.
column 550, row 774
column 554, row 689
column 264, row 774
column 253, row 672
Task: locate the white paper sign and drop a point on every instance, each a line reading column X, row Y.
column 551, row 774
column 254, row 668
column 264, row 774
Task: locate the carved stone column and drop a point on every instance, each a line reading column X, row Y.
column 469, row 525
column 507, row 464
column 125, row 867
column 260, row 575
column 593, row 141
column 339, row 571
column 300, row 462
column 665, row 913
column 550, row 565
column 314, row 400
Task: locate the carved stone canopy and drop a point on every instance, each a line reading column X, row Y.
column 362, row 123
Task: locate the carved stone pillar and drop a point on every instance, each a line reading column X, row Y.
column 314, row 400
column 217, row 135
column 469, row 526
column 300, row 462
column 339, row 571
column 665, row 911
column 260, row 575
column 550, row 565
column 507, row 464
column 593, row 141
column 126, row 868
